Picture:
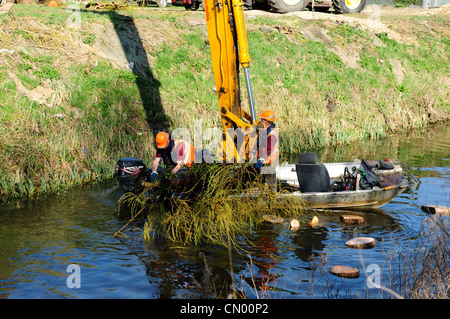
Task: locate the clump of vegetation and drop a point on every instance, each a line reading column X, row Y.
column 205, row 205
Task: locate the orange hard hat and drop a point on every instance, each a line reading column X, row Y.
column 162, row 138
column 268, row 115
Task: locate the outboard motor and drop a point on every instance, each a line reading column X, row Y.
column 130, row 173
column 312, row 176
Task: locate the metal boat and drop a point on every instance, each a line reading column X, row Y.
column 345, row 190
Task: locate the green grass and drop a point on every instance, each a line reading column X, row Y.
column 112, row 112
column 44, row 153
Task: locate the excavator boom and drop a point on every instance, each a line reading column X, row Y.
column 244, row 57
column 229, row 48
column 228, row 43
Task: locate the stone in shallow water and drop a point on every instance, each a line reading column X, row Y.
column 361, row 242
column 345, row 271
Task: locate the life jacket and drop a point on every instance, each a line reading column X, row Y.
column 262, row 144
column 169, row 156
column 189, row 151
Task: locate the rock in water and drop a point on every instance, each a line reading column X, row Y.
column 361, row 243
column 345, row 271
column 295, row 224
column 314, row 221
column 273, row 219
column 351, row 219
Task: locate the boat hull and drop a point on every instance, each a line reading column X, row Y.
column 393, row 183
column 362, row 199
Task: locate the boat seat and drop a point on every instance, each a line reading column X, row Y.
column 312, row 176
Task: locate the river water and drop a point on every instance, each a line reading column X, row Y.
column 62, row 246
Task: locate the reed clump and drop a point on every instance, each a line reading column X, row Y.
column 209, row 208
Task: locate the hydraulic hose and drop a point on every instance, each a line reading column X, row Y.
column 244, row 57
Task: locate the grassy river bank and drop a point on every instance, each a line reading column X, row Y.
column 80, row 89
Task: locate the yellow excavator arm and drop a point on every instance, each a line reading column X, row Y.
column 229, row 48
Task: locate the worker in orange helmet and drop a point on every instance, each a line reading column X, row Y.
column 267, row 146
column 173, row 152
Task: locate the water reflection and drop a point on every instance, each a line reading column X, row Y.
column 308, row 241
column 265, row 257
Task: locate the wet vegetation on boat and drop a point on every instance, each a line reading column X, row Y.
column 198, row 206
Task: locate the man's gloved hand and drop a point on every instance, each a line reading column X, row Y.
column 259, row 163
column 153, row 177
